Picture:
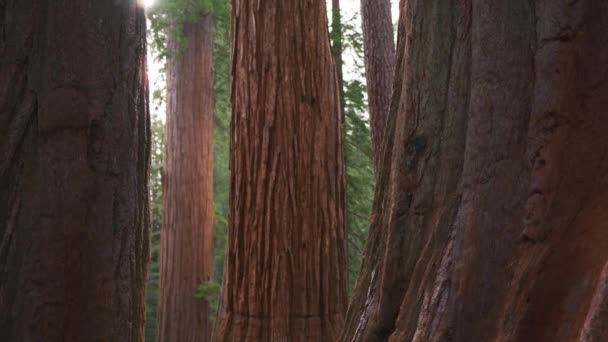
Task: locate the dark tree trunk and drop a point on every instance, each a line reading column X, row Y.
column 489, row 222
column 74, row 156
column 187, row 230
column 285, row 277
column 337, row 48
column 379, row 49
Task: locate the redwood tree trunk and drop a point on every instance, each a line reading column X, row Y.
column 379, row 50
column 490, row 220
column 186, row 254
column 74, row 155
column 285, row 277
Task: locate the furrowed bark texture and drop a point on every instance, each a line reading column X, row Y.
column 379, row 50
column 187, row 229
column 74, row 156
column 489, row 222
column 285, row 277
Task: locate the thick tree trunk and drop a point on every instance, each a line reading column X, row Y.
column 187, row 230
column 490, row 218
column 379, row 50
column 74, row 156
column 285, row 277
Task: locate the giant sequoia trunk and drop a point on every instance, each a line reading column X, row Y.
column 74, row 155
column 490, row 215
column 285, row 277
column 379, row 50
column 186, row 253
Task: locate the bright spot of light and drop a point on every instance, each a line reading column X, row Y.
column 148, row 3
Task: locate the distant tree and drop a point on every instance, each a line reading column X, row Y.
column 186, row 253
column 160, row 15
column 74, row 159
column 286, row 270
column 379, row 50
column 156, row 209
column 489, row 221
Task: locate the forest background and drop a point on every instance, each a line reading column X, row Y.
column 357, row 148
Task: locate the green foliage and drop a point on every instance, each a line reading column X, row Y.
column 210, row 292
column 357, row 146
column 168, row 13
column 178, row 12
column 156, row 209
column 221, row 145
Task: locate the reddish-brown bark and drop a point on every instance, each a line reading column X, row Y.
column 379, row 50
column 285, row 277
column 74, row 155
column 489, row 222
column 186, row 255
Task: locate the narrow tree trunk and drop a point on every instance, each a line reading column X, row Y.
column 187, row 230
column 285, row 277
column 337, row 48
column 379, row 50
column 74, row 156
column 490, row 220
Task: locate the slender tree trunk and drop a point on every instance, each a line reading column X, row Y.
column 187, row 229
column 379, row 49
column 490, row 218
column 285, row 277
column 336, row 40
column 337, row 48
column 74, row 156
